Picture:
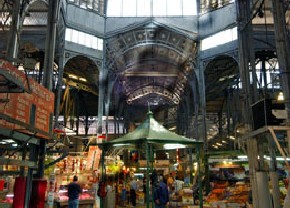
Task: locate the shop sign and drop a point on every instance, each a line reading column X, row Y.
column 94, row 156
column 8, row 72
column 32, row 111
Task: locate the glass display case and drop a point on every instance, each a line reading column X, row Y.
column 86, row 198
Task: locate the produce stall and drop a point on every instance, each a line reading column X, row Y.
column 225, row 195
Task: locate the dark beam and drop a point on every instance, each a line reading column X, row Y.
column 31, row 164
column 19, row 136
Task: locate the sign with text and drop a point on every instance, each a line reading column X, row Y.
column 28, row 112
column 94, row 157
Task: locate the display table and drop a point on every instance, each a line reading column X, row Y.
column 82, row 204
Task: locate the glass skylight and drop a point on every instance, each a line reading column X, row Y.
column 82, row 38
column 219, row 38
column 146, row 8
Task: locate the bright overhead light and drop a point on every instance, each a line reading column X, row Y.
column 119, row 145
column 8, row 140
column 232, row 137
column 280, row 96
column 242, row 157
column 72, row 76
column 69, row 131
column 20, row 67
column 172, row 129
column 174, row 146
column 83, row 79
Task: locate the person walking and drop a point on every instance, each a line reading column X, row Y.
column 73, row 191
column 161, row 194
column 133, row 190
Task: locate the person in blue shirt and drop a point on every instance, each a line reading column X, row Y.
column 161, row 194
column 73, row 191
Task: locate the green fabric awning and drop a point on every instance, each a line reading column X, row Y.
column 149, row 134
column 150, row 131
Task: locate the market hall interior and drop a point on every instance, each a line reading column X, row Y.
column 113, row 90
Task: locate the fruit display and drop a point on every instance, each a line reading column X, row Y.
column 229, row 196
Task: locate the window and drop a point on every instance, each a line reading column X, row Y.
column 129, row 8
column 174, row 7
column 82, row 38
column 159, row 8
column 114, row 8
column 96, row 5
column 219, row 38
column 145, row 8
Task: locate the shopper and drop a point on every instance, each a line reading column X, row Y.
column 161, row 194
column 133, row 189
column 170, row 181
column 178, row 184
column 73, row 191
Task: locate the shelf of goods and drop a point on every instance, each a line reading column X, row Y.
column 224, row 195
column 184, row 198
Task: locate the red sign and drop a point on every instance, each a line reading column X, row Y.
column 29, row 111
column 102, row 136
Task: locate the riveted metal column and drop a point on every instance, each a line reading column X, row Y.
column 201, row 84
column 147, row 175
column 12, row 49
column 102, row 78
column 200, row 187
column 273, row 172
column 59, row 89
column 283, row 52
column 32, row 157
column 53, row 11
column 245, row 35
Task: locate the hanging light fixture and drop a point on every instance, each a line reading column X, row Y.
column 280, row 96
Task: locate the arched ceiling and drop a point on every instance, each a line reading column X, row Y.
column 149, row 65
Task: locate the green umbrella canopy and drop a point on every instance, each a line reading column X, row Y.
column 151, row 131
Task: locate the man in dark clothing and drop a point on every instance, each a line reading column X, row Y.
column 73, row 191
column 161, row 194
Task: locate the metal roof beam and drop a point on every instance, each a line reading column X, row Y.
column 19, row 136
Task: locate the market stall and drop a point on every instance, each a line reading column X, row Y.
column 150, row 136
column 61, row 174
